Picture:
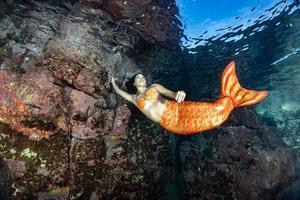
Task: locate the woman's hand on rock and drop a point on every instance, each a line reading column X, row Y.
column 113, row 79
column 180, row 95
column 113, row 82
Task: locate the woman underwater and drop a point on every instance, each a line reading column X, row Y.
column 189, row 117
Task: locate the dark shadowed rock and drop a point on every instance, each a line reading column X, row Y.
column 26, row 29
column 88, row 82
column 86, row 158
column 118, row 136
column 83, row 107
column 155, row 21
column 17, row 167
column 6, row 182
column 36, row 165
column 112, row 100
column 137, row 162
column 56, row 193
column 236, row 162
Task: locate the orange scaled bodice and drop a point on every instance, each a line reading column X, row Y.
column 150, row 95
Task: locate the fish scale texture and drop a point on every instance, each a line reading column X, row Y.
column 190, row 117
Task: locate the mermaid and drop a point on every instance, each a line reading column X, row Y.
column 189, row 117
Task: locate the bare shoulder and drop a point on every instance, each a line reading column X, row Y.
column 158, row 87
column 155, row 85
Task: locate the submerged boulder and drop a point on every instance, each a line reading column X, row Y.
column 31, row 103
column 236, row 161
column 34, row 165
column 64, row 133
column 155, row 21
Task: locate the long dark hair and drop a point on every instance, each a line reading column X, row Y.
column 131, row 89
column 130, row 84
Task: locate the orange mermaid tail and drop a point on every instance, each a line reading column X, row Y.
column 189, row 117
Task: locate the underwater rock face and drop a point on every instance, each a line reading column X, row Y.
column 25, row 30
column 155, row 21
column 5, row 185
column 31, row 103
column 33, row 165
column 237, row 161
column 82, row 110
column 64, row 135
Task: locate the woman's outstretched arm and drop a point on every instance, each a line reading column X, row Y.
column 125, row 95
column 178, row 96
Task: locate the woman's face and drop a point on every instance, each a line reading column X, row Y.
column 140, row 80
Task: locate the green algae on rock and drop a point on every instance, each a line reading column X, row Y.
column 50, row 155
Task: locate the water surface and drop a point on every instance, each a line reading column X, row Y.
column 263, row 37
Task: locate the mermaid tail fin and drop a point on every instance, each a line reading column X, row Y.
column 230, row 87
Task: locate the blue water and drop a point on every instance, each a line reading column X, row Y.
column 212, row 19
column 263, row 37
